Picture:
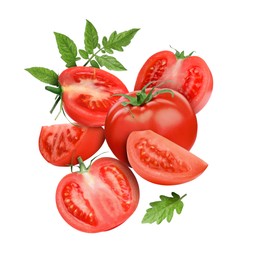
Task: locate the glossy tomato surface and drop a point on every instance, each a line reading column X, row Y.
column 88, row 94
column 61, row 144
column 167, row 115
column 100, row 199
column 160, row 161
column 189, row 75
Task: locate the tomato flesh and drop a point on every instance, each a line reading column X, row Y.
column 161, row 161
column 100, row 199
column 61, row 144
column 190, row 76
column 88, row 94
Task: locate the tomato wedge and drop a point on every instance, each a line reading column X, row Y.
column 88, row 94
column 61, row 144
column 189, row 75
column 161, row 161
column 98, row 198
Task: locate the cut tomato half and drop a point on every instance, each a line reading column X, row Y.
column 88, row 93
column 160, row 161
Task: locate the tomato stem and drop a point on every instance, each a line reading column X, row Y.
column 92, row 56
column 183, row 196
column 142, row 97
column 82, row 166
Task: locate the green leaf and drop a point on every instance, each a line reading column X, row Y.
column 67, row 49
column 117, row 41
column 110, row 63
column 90, row 37
column 164, row 209
column 94, row 64
column 83, row 54
column 45, row 75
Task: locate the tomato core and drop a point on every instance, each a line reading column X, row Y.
column 77, row 205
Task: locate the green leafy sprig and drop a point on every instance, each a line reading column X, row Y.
column 93, row 48
column 94, row 54
column 164, row 209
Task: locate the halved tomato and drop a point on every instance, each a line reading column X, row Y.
column 61, row 144
column 88, row 94
column 98, row 198
column 158, row 160
column 189, row 75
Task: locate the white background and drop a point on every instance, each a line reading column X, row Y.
column 220, row 218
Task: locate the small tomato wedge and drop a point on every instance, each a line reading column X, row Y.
column 98, row 198
column 189, row 75
column 88, row 94
column 61, row 144
column 161, row 161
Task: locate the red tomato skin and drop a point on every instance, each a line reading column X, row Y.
column 108, row 195
column 171, row 117
column 190, row 76
column 88, row 94
column 160, row 161
column 62, row 144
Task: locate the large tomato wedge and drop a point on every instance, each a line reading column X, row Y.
column 167, row 115
column 158, row 160
column 189, row 75
column 61, row 144
column 88, row 94
column 98, row 198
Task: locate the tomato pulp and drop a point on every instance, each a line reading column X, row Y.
column 189, row 75
column 167, row 115
column 88, row 94
column 61, row 144
column 98, row 198
column 161, row 161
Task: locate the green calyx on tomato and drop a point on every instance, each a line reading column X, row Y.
column 181, row 55
column 82, row 167
column 142, row 97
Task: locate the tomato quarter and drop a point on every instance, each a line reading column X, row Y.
column 167, row 115
column 61, row 144
column 98, row 198
column 88, row 94
column 161, row 161
column 189, row 75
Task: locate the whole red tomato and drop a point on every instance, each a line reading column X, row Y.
column 99, row 197
column 164, row 111
column 88, row 94
column 189, row 75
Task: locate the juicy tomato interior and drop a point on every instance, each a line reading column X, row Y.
column 88, row 93
column 161, row 161
column 157, row 158
column 100, row 199
column 190, row 76
column 61, row 144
